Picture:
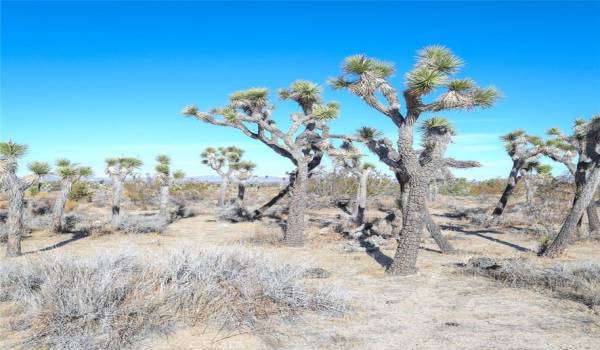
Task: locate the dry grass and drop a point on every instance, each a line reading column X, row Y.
column 578, row 281
column 114, row 301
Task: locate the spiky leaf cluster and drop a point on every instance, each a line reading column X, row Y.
column 126, row 162
column 39, row 168
column 436, row 125
column 367, row 133
column 12, row 150
column 326, row 112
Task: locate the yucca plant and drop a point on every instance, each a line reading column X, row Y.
column 40, row 169
column 585, row 141
column 69, row 174
column 369, row 79
column 166, row 180
column 118, row 169
column 525, row 151
column 222, row 160
column 300, row 143
column 242, row 172
column 15, row 187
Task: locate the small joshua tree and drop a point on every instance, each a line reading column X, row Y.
column 586, row 137
column 524, row 150
column 165, row 180
column 251, row 112
column 563, row 149
column 531, row 175
column 350, row 159
column 369, row 79
column 40, row 169
column 242, row 172
column 10, row 153
column 69, row 174
column 118, row 169
column 222, row 160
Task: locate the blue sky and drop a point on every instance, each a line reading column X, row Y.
column 90, row 80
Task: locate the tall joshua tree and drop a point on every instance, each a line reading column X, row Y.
column 524, row 150
column 165, row 180
column 40, row 169
column 251, row 112
column 563, row 149
column 118, row 169
column 349, row 157
column 242, row 172
column 222, row 160
column 369, row 79
column 68, row 173
column 10, row 153
column 587, row 139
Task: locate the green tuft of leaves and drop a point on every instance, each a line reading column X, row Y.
column 39, row 168
column 338, row 83
column 178, row 174
column 439, row 59
column 162, row 168
column 361, row 64
column 423, row 80
column 12, row 150
column 163, row 159
column 513, row 135
column 190, row 110
column 326, row 112
column 485, row 97
column 251, row 94
column 367, row 133
column 461, row 85
column 437, row 125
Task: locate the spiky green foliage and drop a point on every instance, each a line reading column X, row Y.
column 127, row 162
column 361, row 64
column 543, row 169
column 513, row 135
column 66, row 171
column 485, row 98
column 178, row 174
column 338, row 83
column 436, row 125
column 162, row 168
column 422, row 80
column 326, row 112
column 227, row 112
column 190, row 110
column 12, row 150
column 579, row 122
column 554, row 132
column 561, row 144
column 438, row 58
column 163, row 159
column 368, row 165
column 85, row 171
column 252, row 94
column 535, row 140
column 461, row 85
column 39, row 168
column 62, row 162
column 302, row 91
column 244, row 165
column 368, row 133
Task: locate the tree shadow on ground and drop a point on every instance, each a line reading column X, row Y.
column 374, row 252
column 479, row 234
column 75, row 237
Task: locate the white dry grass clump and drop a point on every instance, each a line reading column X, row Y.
column 136, row 224
column 578, row 281
column 113, row 301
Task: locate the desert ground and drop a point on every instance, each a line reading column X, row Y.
column 442, row 306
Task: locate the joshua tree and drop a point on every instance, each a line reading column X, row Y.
column 349, row 157
column 524, row 150
column 165, row 180
column 530, row 174
column 242, row 172
column 251, row 112
column 118, row 169
column 369, row 79
column 40, row 169
column 586, row 137
column 10, row 153
column 563, row 148
column 222, row 160
column 69, row 173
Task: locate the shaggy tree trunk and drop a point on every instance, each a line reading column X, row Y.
column 15, row 214
column 580, row 181
column 294, row 234
column 59, row 205
column 436, row 234
column 164, row 202
column 361, row 198
column 513, row 179
column 560, row 243
column 405, row 259
column 241, row 191
column 593, row 220
column 117, row 194
column 223, row 190
column 529, row 191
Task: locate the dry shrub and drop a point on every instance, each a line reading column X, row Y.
column 270, row 235
column 113, row 301
column 142, row 193
column 81, row 191
column 192, row 191
column 578, row 281
column 70, row 205
column 139, row 224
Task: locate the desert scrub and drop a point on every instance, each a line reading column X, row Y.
column 578, row 281
column 113, row 301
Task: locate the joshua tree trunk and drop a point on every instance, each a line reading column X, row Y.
column 513, row 179
column 436, row 234
column 164, row 202
column 529, row 191
column 294, row 234
column 59, row 206
column 560, row 243
column 241, row 191
column 593, row 220
column 361, row 198
column 580, row 181
column 15, row 215
column 405, row 259
column 117, row 193
column 223, row 190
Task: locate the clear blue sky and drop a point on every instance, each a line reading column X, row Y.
column 89, row 80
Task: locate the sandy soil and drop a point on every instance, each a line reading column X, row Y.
column 439, row 308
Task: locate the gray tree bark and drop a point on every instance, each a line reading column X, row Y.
column 241, row 191
column 117, row 194
column 296, row 222
column 15, row 214
column 361, row 197
column 163, row 210
column 513, row 179
column 529, row 191
column 223, row 190
column 560, row 243
column 59, row 205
